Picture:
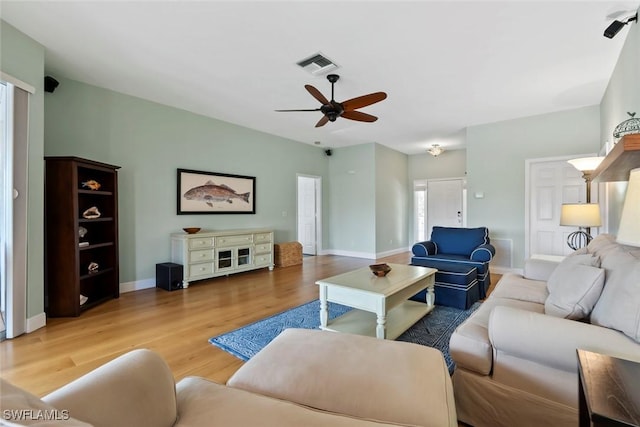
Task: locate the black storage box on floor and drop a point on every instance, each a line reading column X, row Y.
column 169, row 276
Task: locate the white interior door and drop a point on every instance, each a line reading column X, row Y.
column 552, row 183
column 308, row 213
column 444, row 203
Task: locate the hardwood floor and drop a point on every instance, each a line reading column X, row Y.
column 176, row 324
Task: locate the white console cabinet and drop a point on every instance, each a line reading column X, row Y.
column 209, row 254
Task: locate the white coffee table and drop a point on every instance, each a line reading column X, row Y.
column 382, row 308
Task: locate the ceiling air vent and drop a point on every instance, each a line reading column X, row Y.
column 317, row 64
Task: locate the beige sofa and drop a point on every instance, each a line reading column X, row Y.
column 302, row 378
column 515, row 357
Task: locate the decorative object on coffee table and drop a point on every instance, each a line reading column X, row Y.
column 380, row 270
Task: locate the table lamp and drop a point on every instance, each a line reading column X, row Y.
column 581, row 215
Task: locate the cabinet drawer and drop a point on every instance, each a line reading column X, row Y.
column 234, row 240
column 196, row 270
column 262, row 260
column 263, row 247
column 204, row 242
column 263, row 237
column 198, row 256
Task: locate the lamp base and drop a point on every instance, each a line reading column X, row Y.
column 578, row 239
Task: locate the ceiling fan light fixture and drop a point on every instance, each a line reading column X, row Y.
column 435, row 150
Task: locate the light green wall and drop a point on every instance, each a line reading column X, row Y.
column 352, row 199
column 392, row 213
column 23, row 58
column 622, row 95
column 150, row 141
column 450, row 164
column 496, row 155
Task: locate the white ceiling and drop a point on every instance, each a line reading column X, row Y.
column 445, row 65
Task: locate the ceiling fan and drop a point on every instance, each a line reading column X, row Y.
column 346, row 109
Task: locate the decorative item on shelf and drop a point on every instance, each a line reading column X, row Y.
column 83, row 299
column 581, row 215
column 91, row 213
column 435, row 150
column 92, row 184
column 83, row 244
column 629, row 229
column 628, row 127
column 93, row 267
column 82, row 232
column 192, row 230
column 380, row 270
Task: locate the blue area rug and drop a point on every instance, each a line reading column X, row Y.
column 433, row 330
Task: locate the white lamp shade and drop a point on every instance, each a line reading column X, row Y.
column 580, row 215
column 629, row 231
column 586, row 163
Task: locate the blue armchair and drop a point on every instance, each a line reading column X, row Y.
column 457, row 247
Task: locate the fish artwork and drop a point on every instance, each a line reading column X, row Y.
column 92, row 184
column 210, row 193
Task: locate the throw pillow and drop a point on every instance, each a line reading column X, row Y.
column 574, row 287
column 619, row 305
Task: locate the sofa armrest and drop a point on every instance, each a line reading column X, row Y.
column 424, row 248
column 483, row 253
column 132, row 390
column 552, row 341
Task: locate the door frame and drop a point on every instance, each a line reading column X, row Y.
column 600, row 189
column 318, row 210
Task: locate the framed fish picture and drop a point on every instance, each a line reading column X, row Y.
column 215, row 193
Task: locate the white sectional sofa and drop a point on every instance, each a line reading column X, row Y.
column 516, row 362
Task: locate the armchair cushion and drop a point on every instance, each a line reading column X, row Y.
column 423, row 249
column 483, row 253
column 459, row 241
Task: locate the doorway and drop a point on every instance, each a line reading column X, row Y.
column 550, row 183
column 439, row 202
column 309, row 195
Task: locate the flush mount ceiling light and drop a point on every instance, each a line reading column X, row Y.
column 435, row 150
column 616, row 26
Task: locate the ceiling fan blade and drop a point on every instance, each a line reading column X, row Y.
column 323, row 121
column 359, row 116
column 316, row 94
column 313, row 109
column 363, row 101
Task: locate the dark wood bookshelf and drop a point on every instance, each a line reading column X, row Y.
column 67, row 276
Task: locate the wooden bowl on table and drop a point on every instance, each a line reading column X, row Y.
column 380, row 270
column 192, row 230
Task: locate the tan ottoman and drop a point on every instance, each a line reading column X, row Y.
column 381, row 380
column 287, row 254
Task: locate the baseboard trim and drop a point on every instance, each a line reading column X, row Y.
column 393, row 252
column 36, row 322
column 137, row 285
column 367, row 255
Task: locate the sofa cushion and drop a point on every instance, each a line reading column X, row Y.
column 205, row 403
column 22, row 408
column 619, row 305
column 574, row 287
column 514, row 286
column 459, row 241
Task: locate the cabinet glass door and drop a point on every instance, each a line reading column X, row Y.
column 244, row 256
column 225, row 259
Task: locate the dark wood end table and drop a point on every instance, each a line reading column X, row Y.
column 609, row 390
